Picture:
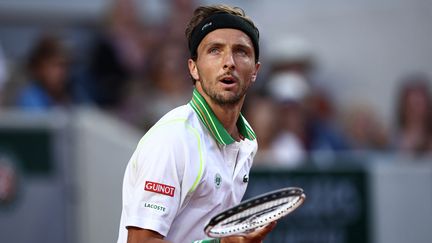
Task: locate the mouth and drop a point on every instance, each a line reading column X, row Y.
column 228, row 80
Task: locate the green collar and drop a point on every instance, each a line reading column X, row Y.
column 215, row 127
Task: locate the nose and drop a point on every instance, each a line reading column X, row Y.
column 229, row 62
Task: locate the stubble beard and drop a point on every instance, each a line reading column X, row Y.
column 224, row 98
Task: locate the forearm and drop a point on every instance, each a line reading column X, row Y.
column 146, row 240
column 137, row 235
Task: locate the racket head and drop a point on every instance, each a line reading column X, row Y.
column 255, row 212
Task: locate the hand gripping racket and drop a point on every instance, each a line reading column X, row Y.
column 255, row 212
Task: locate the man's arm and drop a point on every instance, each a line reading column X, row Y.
column 254, row 237
column 138, row 235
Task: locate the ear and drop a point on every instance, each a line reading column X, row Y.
column 193, row 70
column 255, row 73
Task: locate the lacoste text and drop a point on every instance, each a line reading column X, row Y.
column 154, row 206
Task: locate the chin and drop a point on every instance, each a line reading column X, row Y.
column 228, row 99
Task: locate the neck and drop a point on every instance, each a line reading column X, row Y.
column 227, row 114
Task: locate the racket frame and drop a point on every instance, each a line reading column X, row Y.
column 253, row 202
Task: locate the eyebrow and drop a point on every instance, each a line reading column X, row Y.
column 213, row 43
column 243, row 46
column 218, row 44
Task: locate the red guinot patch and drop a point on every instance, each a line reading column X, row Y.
column 159, row 188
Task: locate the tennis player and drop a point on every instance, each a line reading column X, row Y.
column 195, row 161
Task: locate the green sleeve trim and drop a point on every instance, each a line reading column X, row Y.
column 207, row 241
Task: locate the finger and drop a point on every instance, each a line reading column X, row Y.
column 270, row 226
column 265, row 230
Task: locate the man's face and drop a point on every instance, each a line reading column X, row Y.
column 225, row 67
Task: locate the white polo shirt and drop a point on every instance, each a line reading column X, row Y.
column 185, row 170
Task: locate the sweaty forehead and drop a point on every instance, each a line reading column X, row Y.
column 226, row 37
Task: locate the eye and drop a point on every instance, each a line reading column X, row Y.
column 242, row 52
column 214, row 50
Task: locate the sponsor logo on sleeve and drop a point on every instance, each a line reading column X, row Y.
column 153, row 206
column 159, row 188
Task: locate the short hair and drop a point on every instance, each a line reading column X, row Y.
column 204, row 12
column 48, row 46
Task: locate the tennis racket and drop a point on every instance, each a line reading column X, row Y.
column 255, row 212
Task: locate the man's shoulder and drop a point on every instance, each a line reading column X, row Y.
column 177, row 132
column 178, row 122
column 181, row 112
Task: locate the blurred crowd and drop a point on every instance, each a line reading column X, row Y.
column 137, row 71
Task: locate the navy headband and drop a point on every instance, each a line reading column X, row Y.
column 222, row 21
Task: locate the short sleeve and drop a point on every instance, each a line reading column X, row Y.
column 153, row 178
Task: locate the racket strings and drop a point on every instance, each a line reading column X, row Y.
column 255, row 213
column 260, row 211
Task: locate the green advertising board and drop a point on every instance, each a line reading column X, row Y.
column 336, row 209
column 30, row 147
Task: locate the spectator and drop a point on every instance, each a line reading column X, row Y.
column 127, row 87
column 305, row 113
column 364, row 130
column 167, row 87
column 289, row 91
column 303, row 132
column 48, row 67
column 261, row 113
column 170, row 82
column 414, row 116
column 119, row 56
column 179, row 14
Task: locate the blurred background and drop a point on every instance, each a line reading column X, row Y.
column 342, row 108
